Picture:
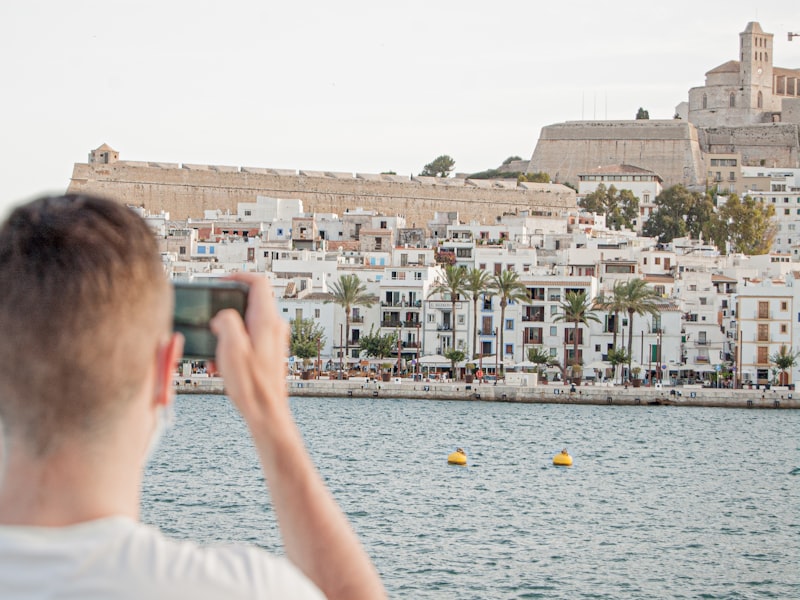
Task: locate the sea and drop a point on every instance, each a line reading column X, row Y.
column 661, row 501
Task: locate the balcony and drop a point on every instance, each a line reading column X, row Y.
column 411, row 345
column 357, row 319
column 445, row 327
column 701, row 343
column 390, row 323
column 401, row 304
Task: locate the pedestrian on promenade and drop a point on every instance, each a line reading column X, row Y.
column 87, row 356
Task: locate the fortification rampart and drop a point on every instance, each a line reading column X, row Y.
column 187, row 190
column 773, row 145
column 673, row 149
column 670, row 148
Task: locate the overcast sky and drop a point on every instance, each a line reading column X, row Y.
column 358, row 86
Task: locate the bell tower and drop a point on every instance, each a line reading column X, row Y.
column 755, row 67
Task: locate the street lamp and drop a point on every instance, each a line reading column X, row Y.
column 496, row 355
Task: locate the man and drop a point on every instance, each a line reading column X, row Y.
column 86, row 362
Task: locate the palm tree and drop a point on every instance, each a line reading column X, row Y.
column 347, row 293
column 784, row 359
column 638, row 299
column 577, row 309
column 477, row 285
column 453, row 285
column 614, row 304
column 509, row 288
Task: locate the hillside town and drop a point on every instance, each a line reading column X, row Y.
column 712, row 317
column 662, row 252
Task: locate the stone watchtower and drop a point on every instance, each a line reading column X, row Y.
column 103, row 155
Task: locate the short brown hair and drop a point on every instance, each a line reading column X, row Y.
column 84, row 304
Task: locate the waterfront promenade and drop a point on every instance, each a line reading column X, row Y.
column 775, row 398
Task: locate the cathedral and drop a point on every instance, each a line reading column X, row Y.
column 747, row 91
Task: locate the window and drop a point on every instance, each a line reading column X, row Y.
column 763, row 310
column 248, row 213
column 784, row 328
column 763, row 332
column 553, row 351
column 732, row 100
column 705, row 101
column 417, row 275
column 509, row 324
column 784, row 305
column 182, row 249
column 554, row 329
column 509, row 349
column 553, row 309
column 762, row 357
column 760, row 101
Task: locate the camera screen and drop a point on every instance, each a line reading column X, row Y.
column 196, row 304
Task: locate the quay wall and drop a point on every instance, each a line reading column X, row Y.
column 543, row 394
column 186, row 191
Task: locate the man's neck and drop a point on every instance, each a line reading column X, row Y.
column 69, row 486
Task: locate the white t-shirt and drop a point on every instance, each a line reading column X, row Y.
column 120, row 558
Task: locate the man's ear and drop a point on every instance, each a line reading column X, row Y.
column 167, row 357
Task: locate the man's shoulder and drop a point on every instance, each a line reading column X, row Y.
column 139, row 561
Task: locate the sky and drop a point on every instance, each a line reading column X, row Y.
column 353, row 86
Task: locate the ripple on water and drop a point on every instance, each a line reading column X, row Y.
column 680, row 503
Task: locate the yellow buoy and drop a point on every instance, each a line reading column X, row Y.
column 562, row 459
column 459, row 457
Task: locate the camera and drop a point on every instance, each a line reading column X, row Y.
column 196, row 303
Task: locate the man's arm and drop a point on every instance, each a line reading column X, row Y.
column 316, row 534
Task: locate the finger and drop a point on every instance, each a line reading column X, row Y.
column 232, row 338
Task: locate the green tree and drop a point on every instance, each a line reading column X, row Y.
column 618, row 356
column 507, row 286
column 576, row 308
column 478, row 283
column 638, row 299
column 511, row 159
column 454, row 356
column 439, row 167
column 679, row 213
column 620, row 207
column 642, row 114
column 537, row 177
column 784, row 359
column 306, row 337
column 541, row 358
column 375, row 345
column 348, row 292
column 749, row 224
column 452, row 286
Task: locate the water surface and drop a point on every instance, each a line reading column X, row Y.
column 662, row 502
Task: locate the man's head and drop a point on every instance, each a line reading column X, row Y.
column 84, row 309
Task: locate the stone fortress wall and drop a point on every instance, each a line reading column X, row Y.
column 773, row 145
column 669, row 147
column 187, row 190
